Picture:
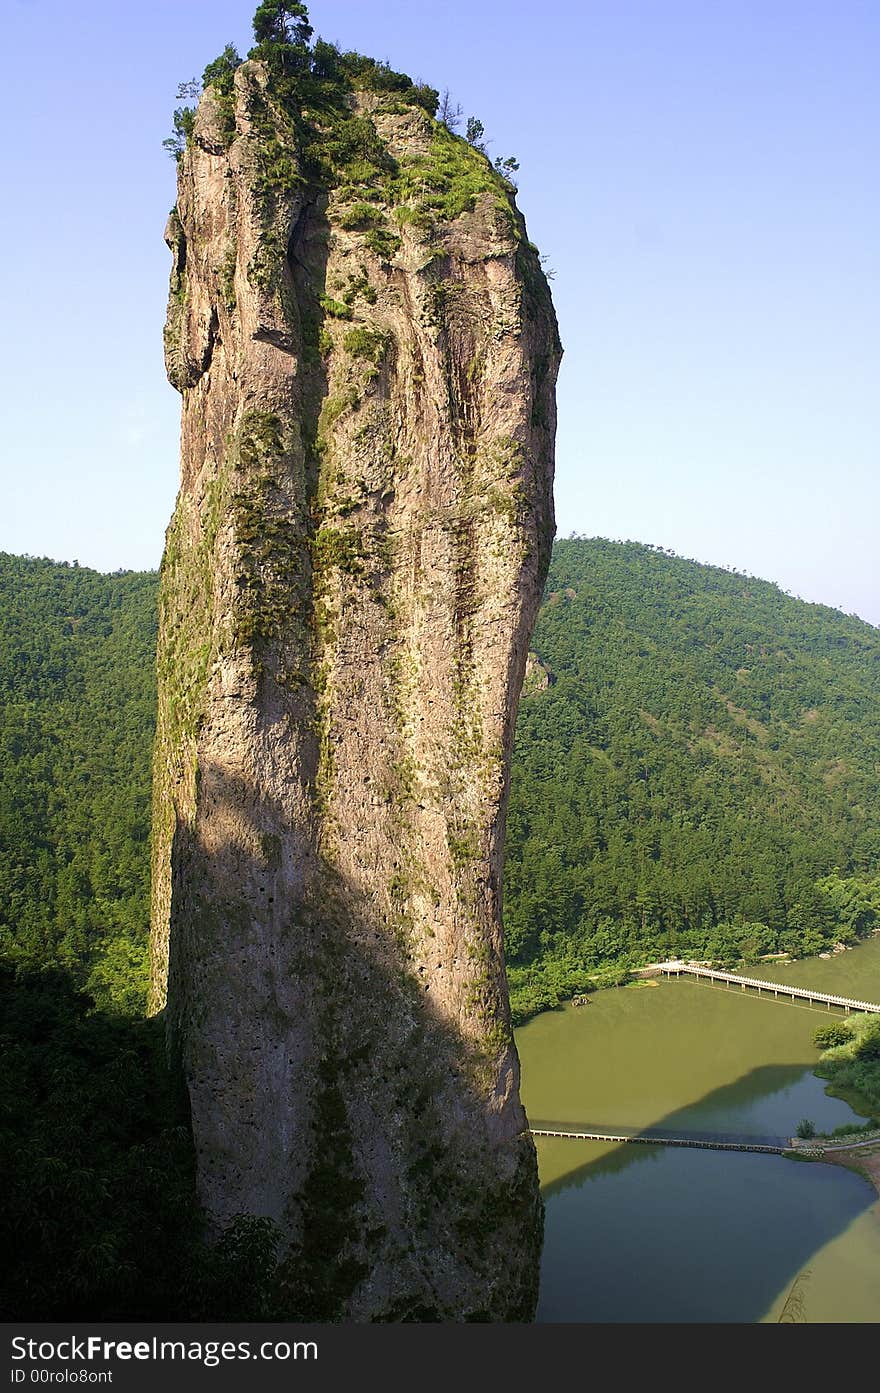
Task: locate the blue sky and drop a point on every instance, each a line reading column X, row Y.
column 701, row 176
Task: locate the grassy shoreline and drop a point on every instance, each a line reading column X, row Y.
column 551, row 985
column 852, row 1066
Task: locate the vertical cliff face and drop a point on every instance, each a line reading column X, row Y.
column 367, row 351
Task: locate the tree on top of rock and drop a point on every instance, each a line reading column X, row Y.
column 280, row 22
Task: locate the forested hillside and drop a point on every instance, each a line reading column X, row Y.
column 77, row 707
column 696, row 771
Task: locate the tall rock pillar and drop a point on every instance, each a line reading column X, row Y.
column 366, row 350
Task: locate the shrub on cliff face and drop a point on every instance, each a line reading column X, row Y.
column 315, row 77
column 221, row 72
column 183, row 122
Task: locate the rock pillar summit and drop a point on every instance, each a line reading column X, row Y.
column 366, row 349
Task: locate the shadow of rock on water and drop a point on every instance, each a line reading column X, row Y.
column 661, row 1234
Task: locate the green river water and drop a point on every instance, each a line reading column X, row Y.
column 650, row 1233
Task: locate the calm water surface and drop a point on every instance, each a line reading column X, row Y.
column 644, row 1233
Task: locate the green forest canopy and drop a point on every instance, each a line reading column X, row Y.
column 77, row 712
column 696, row 771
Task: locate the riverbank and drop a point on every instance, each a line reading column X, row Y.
column 681, row 1058
column 550, row 985
column 863, row 1159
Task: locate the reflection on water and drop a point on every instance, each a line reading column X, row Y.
column 653, row 1234
column 643, row 1233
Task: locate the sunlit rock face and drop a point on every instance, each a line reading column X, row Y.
column 366, row 350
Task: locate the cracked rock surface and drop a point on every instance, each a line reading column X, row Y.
column 367, row 355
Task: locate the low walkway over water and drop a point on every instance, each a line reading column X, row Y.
column 676, row 969
column 657, row 1136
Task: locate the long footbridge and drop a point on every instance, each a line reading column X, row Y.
column 707, row 1141
column 657, row 1136
column 677, row 969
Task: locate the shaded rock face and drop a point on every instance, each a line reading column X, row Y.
column 348, row 588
